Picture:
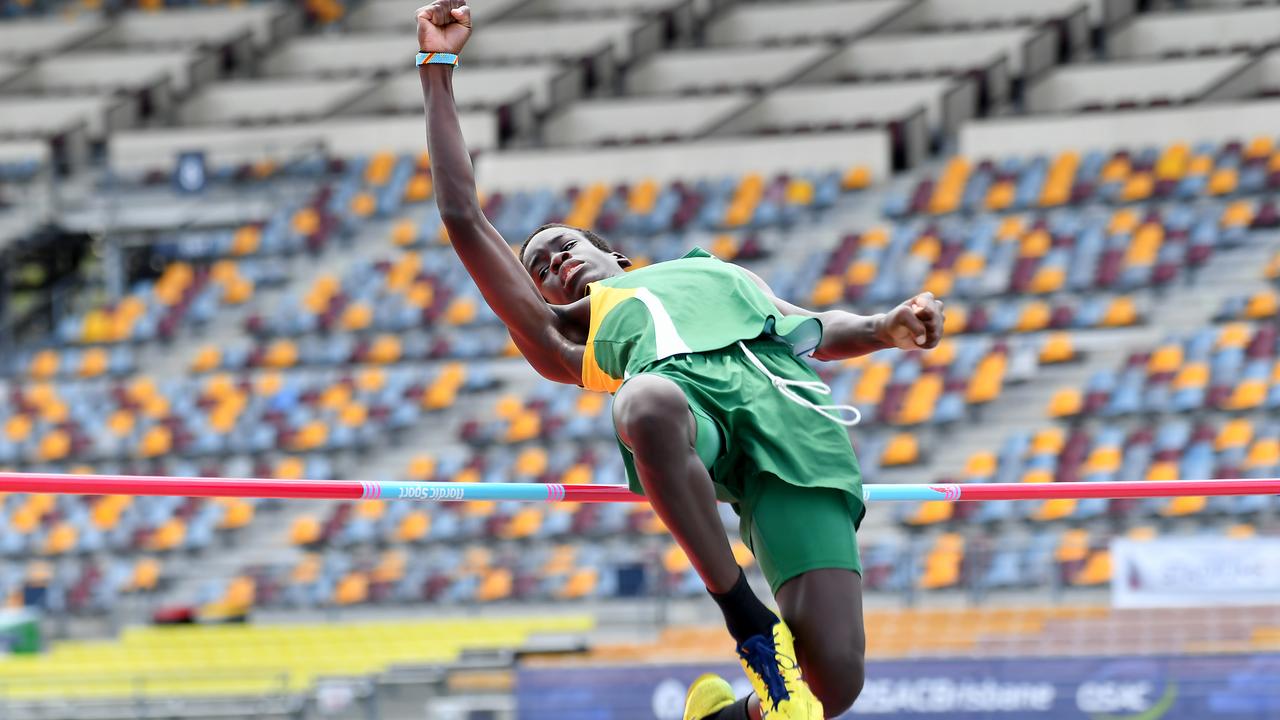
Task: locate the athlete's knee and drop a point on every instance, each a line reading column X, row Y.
column 835, row 675
column 650, row 408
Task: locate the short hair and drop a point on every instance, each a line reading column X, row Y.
column 591, row 237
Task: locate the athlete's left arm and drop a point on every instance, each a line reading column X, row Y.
column 914, row 325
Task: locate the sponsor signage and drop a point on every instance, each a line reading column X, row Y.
column 1238, row 687
column 1187, row 572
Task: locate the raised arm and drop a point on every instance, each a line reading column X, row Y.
column 914, row 325
column 444, row 27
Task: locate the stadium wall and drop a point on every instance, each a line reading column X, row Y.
column 155, row 149
column 561, row 168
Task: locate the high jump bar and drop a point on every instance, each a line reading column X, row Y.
column 554, row 492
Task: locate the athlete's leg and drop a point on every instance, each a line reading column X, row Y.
column 805, row 540
column 652, row 417
column 824, row 610
column 661, row 428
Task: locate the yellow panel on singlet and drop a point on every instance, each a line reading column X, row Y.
column 603, row 300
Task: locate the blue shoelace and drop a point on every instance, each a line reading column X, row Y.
column 761, row 655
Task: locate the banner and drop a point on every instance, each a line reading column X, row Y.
column 1237, row 687
column 1186, row 572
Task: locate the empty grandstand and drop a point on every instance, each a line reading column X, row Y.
column 220, row 256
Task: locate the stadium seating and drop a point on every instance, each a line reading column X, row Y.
column 1229, row 367
column 900, row 389
column 231, row 660
column 219, row 414
column 991, row 632
column 62, row 584
column 311, row 321
column 1180, row 171
column 1038, row 256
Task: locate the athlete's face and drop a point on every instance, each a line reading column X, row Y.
column 562, row 262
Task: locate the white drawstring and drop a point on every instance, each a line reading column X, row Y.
column 784, row 385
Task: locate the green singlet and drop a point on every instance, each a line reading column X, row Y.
column 773, row 452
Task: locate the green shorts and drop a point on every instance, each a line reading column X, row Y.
column 790, row 473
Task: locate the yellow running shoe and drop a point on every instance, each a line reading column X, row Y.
column 708, row 694
column 770, row 664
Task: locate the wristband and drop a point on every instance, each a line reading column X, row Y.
column 437, row 58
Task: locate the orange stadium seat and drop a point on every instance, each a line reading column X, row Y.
column 413, row 527
column 1181, row 506
column 857, row 177
column 942, row 564
column 146, row 575
column 921, row 399
column 931, row 512
column 1138, row 187
column 1096, row 570
column 405, row 232
column 237, row 514
column 525, row 523
column 1037, row 476
column 860, row 272
column 371, row 509
column 1241, row 530
column 246, row 241
column 61, row 539
column 939, row 282
column 168, row 536
column 351, row 589
column 1223, row 181
column 1000, row 195
column 871, row 383
column 988, row 379
column 1048, row 441
column 208, row 358
column 1236, row 433
column 1120, row 313
column 18, row 428
column 1056, row 509
column 582, row 583
column 1248, row 394
column 1264, row 453
column 827, row 291
column 1073, row 546
column 981, row 464
column 1035, row 244
column 1262, row 304
column 497, row 584
column 902, row 449
column 643, row 196
column 1066, row 402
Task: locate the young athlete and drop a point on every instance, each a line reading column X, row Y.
column 711, row 401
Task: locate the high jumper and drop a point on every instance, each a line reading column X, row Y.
column 712, row 400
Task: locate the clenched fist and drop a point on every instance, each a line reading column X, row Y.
column 915, row 324
column 444, row 26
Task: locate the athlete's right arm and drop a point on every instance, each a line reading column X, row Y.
column 444, row 26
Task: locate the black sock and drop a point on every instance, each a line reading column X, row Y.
column 736, row 711
column 743, row 612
